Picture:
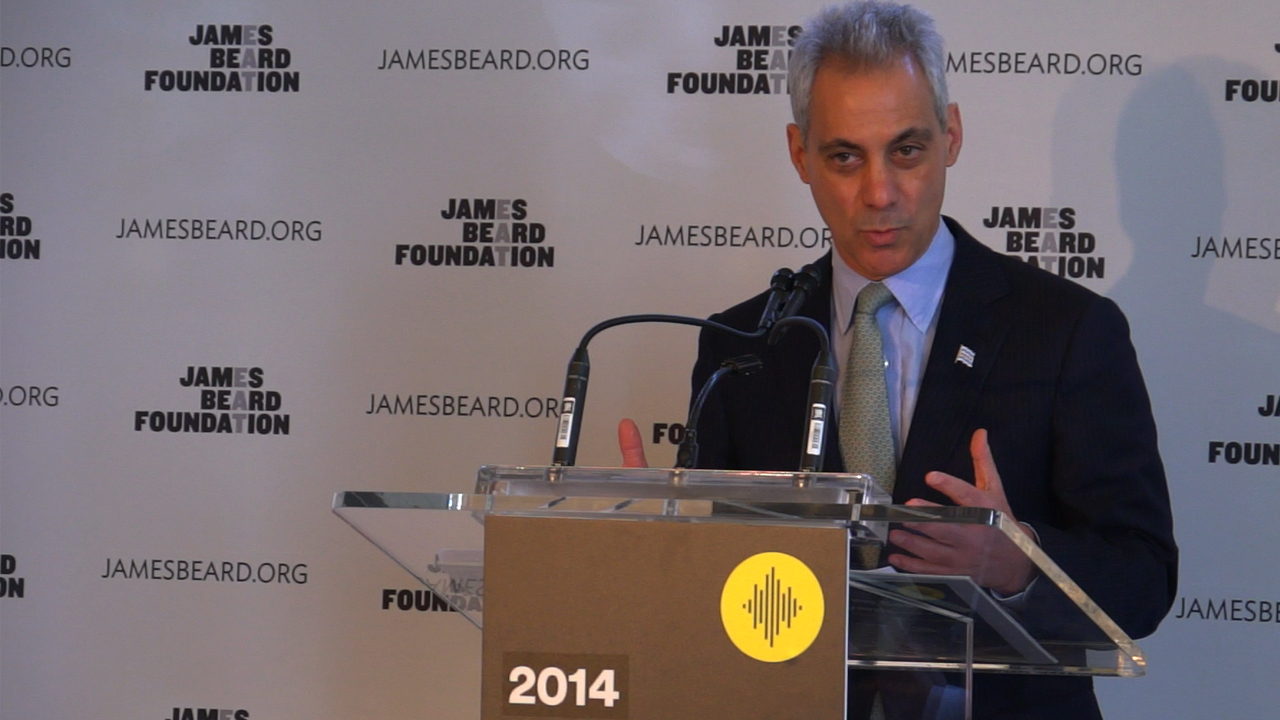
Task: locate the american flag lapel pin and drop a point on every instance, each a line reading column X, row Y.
column 966, row 356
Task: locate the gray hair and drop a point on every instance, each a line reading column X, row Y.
column 866, row 35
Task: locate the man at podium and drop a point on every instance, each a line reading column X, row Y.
column 965, row 377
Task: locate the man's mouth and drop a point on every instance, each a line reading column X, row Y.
column 882, row 236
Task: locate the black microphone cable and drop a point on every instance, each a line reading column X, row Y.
column 687, row 454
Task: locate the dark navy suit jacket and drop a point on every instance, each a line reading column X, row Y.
column 1054, row 380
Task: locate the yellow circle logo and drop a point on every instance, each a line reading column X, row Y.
column 772, row 607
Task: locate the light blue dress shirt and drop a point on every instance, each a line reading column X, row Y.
column 907, row 326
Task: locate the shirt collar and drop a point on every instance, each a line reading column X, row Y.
column 918, row 289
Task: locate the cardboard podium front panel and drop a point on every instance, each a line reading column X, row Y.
column 569, row 600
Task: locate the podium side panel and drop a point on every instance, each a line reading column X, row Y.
column 645, row 597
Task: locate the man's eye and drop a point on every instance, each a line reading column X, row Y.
column 910, row 151
column 843, row 158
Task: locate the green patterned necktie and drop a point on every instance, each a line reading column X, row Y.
column 866, row 439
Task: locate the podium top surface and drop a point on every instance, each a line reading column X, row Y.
column 1054, row 629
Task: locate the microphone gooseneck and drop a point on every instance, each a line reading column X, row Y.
column 822, row 382
column 575, row 383
column 575, row 394
column 788, row 294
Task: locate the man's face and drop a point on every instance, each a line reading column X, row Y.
column 876, row 161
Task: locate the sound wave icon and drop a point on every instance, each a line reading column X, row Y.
column 771, row 607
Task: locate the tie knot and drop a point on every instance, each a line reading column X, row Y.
column 872, row 298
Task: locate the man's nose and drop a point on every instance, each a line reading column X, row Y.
column 880, row 189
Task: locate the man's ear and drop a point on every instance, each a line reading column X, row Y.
column 795, row 147
column 955, row 134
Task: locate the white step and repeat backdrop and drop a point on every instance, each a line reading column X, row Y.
column 258, row 252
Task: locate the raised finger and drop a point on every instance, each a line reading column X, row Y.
column 984, row 464
column 632, row 444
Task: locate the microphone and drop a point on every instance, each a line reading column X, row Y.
column 805, row 283
column 687, row 454
column 781, row 283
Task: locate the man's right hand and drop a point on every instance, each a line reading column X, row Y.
column 632, row 444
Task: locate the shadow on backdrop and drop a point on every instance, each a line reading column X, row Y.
column 1171, row 165
column 1207, row 370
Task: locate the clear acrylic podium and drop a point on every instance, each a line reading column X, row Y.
column 672, row 593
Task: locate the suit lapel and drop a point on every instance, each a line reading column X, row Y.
column 951, row 386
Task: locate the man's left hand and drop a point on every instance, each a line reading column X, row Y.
column 980, row 552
